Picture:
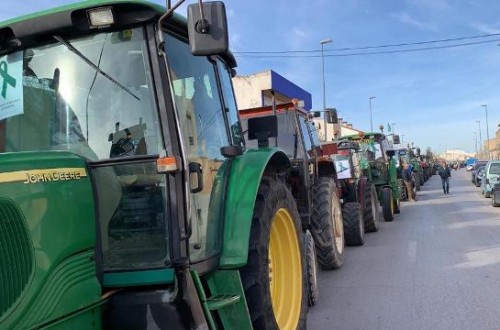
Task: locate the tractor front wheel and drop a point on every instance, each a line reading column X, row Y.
column 371, row 215
column 274, row 278
column 312, row 269
column 387, row 204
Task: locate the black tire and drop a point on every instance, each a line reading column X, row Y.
column 354, row 226
column 327, row 225
column 273, row 197
column 312, row 269
column 477, row 183
column 495, row 199
column 416, row 179
column 371, row 214
column 387, row 204
column 487, row 194
column 396, row 206
column 403, row 196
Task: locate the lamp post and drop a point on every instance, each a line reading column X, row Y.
column 487, row 131
column 323, row 42
column 480, row 137
column 371, row 116
column 475, row 142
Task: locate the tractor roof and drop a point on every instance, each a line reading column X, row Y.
column 376, row 136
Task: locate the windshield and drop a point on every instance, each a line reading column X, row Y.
column 59, row 101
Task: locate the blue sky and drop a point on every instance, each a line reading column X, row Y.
column 433, row 96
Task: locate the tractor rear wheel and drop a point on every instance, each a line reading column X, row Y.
column 327, row 225
column 312, row 269
column 371, row 214
column 387, row 204
column 274, row 278
column 402, row 190
column 416, row 179
column 354, row 226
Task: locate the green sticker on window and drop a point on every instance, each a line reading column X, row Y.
column 11, row 86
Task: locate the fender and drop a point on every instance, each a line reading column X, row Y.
column 244, row 180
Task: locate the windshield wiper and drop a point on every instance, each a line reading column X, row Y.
column 95, row 67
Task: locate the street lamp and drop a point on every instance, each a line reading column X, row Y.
column 480, row 137
column 487, row 131
column 475, row 141
column 323, row 42
column 371, row 117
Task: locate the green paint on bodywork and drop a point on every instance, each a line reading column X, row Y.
column 60, row 217
column 81, row 5
column 393, row 178
column 244, row 181
column 142, row 277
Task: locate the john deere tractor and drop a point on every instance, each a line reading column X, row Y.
column 127, row 198
column 378, row 165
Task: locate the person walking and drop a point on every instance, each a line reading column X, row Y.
column 445, row 174
column 407, row 179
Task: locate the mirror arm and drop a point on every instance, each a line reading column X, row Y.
column 202, row 25
column 159, row 35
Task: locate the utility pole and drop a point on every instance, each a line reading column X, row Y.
column 323, row 42
column 475, row 142
column 487, row 132
column 371, row 115
column 480, row 137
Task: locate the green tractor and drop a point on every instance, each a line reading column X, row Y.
column 312, row 180
column 378, row 165
column 358, row 195
column 127, row 197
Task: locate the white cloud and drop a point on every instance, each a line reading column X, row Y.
column 407, row 19
column 481, row 27
column 432, row 5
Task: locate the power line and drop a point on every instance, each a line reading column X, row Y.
column 371, row 47
column 370, row 53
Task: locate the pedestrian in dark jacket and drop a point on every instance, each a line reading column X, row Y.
column 445, row 174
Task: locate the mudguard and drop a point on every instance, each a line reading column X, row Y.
column 244, row 180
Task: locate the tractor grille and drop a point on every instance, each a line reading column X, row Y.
column 16, row 255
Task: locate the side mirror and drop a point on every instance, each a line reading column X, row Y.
column 316, row 114
column 208, row 35
column 395, row 139
column 331, row 116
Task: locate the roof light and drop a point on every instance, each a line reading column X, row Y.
column 100, row 17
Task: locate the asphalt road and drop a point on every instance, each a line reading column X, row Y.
column 436, row 266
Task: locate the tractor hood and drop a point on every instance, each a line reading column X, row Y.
column 47, row 237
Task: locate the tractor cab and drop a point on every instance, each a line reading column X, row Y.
column 117, row 125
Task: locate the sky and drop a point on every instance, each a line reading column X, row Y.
column 433, row 96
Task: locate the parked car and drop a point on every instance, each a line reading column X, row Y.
column 479, row 176
column 490, row 177
column 474, row 169
column 495, row 194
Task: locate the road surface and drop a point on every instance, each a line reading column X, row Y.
column 436, row 266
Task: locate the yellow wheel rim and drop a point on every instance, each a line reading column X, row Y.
column 285, row 270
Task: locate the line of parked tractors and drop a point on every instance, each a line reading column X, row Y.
column 486, row 175
column 339, row 186
column 184, row 223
